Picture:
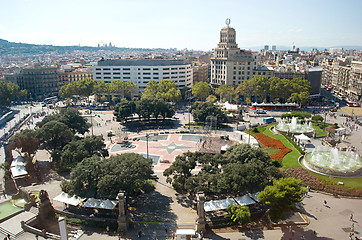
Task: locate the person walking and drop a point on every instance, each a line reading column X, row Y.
column 351, row 217
column 139, row 233
column 166, row 228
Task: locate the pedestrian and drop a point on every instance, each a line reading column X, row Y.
column 139, row 233
column 351, row 217
column 165, row 228
column 293, row 232
column 325, row 203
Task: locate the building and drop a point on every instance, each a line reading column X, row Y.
column 314, row 76
column 229, row 64
column 67, row 76
column 355, row 83
column 200, row 71
column 264, row 71
column 40, row 81
column 266, row 47
column 274, row 48
column 141, row 71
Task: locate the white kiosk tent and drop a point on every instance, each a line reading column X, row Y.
column 245, row 200
column 65, row 198
column 302, row 137
column 17, row 167
column 101, row 204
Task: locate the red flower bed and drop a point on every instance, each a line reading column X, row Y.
column 280, row 155
column 269, row 142
column 274, row 143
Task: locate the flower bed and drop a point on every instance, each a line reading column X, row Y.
column 314, row 183
column 271, row 142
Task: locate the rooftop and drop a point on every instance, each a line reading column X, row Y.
column 141, row 62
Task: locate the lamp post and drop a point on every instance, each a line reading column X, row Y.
column 249, row 133
column 147, row 136
column 324, row 124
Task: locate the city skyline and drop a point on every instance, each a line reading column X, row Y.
column 186, row 24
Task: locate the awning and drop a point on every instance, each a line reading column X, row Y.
column 215, row 205
column 302, row 137
column 17, row 167
column 99, row 203
column 74, row 200
column 18, row 171
column 244, row 200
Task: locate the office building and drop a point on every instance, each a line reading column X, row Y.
column 141, row 71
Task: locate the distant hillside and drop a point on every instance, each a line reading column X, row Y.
column 7, row 47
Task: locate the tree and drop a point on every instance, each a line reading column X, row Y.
column 55, row 135
column 165, row 89
column 124, row 109
column 282, row 196
column 262, row 86
column 160, row 107
column 211, row 98
column 318, row 118
column 241, row 169
column 239, row 214
column 77, row 150
column 225, row 92
column 201, row 90
column 70, row 117
column 104, row 178
column 26, row 144
column 201, row 110
column 246, row 89
column 8, row 92
column 84, row 87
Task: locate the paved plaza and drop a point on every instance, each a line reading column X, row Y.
column 165, row 207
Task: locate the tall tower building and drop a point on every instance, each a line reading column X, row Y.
column 266, row 47
column 229, row 64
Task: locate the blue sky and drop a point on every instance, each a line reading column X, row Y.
column 181, row 24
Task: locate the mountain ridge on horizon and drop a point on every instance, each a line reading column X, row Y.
column 7, row 47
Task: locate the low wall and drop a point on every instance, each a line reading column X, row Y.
column 332, row 172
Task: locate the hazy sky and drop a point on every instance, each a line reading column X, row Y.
column 192, row 24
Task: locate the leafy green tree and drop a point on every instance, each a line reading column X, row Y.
column 55, row 135
column 144, row 108
column 318, row 118
column 246, row 89
column 26, row 144
column 238, row 214
column 225, row 92
column 262, row 87
column 8, row 92
column 124, row 109
column 84, row 87
column 104, row 178
column 241, row 169
column 77, row 150
column 201, row 110
column 201, row 90
column 70, row 117
column 282, row 196
column 211, row 98
column 165, row 89
column 161, row 108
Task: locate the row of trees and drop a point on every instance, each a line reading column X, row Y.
column 144, row 108
column 201, row 110
column 241, row 169
column 9, row 92
column 272, row 89
column 87, row 87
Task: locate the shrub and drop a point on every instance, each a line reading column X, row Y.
column 318, row 118
column 294, row 144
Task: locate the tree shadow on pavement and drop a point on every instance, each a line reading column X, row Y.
column 304, row 211
column 186, row 200
column 299, row 232
column 214, row 236
column 256, row 233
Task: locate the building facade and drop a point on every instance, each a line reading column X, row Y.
column 141, row 71
column 200, row 71
column 229, row 64
column 355, row 86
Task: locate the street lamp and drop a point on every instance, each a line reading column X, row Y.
column 147, row 136
column 249, row 132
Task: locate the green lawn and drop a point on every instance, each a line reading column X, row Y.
column 348, row 182
column 320, row 131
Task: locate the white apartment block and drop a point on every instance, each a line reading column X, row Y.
column 229, row 64
column 141, row 71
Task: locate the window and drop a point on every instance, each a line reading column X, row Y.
column 166, row 73
column 107, row 81
column 155, row 73
column 181, row 68
column 155, row 77
column 165, row 69
column 126, row 69
column 173, row 72
column 126, row 77
column 97, row 69
column 106, row 69
column 116, row 69
column 107, row 78
column 146, row 78
column 98, row 73
column 146, row 73
column 146, row 69
column 173, row 68
column 107, row 73
column 155, row 69
column 126, row 73
column 98, row 78
column 181, row 81
column 166, row 78
column 116, row 73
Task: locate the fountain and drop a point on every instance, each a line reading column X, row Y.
column 292, row 126
column 333, row 162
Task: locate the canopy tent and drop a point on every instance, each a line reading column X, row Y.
column 99, row 203
column 18, row 161
column 17, row 167
column 18, row 171
column 63, row 197
column 254, row 196
column 244, row 200
column 302, row 137
column 228, row 106
column 215, row 205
